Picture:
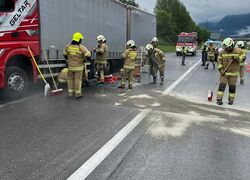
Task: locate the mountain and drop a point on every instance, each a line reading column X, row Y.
column 231, row 25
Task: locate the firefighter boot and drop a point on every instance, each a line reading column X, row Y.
column 79, row 96
column 219, row 102
column 154, row 80
column 162, row 81
column 230, row 102
column 206, row 67
column 122, row 86
column 213, row 66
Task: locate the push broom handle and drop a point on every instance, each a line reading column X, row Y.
column 223, row 73
column 49, row 69
column 37, row 65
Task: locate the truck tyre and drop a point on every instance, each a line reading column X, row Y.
column 17, row 82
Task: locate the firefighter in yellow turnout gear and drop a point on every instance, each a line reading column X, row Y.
column 228, row 65
column 75, row 53
column 156, row 61
column 101, row 57
column 129, row 57
column 211, row 54
column 241, row 45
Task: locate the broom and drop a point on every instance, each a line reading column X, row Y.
column 47, row 86
column 56, row 91
column 210, row 92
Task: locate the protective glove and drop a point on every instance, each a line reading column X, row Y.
column 235, row 58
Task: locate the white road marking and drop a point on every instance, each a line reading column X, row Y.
column 170, row 88
column 20, row 100
column 89, row 166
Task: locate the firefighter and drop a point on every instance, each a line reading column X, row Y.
column 101, row 57
column 155, row 42
column 184, row 54
column 75, row 53
column 241, row 45
column 211, row 54
column 228, row 66
column 156, row 61
column 129, row 57
column 204, row 54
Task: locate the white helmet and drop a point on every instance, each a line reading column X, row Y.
column 228, row 43
column 130, row 43
column 100, row 38
column 155, row 39
column 149, row 47
column 240, row 44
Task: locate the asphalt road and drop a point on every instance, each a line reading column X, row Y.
column 179, row 134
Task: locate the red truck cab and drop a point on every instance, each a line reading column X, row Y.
column 19, row 28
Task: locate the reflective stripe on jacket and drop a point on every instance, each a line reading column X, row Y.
column 129, row 57
column 76, row 56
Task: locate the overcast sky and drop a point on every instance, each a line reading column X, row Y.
column 202, row 10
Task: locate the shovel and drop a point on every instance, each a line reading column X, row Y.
column 47, row 86
column 210, row 92
column 56, row 91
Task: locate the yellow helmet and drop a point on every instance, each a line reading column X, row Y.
column 77, row 36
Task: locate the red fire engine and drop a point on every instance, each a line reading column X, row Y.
column 189, row 40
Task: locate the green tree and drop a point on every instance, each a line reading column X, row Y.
column 130, row 2
column 173, row 18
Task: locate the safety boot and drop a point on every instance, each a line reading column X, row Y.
column 230, row 102
column 219, row 102
column 79, row 96
column 154, row 80
column 242, row 81
column 122, row 86
column 162, row 81
column 213, row 66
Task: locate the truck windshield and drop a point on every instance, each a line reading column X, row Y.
column 186, row 39
column 7, row 5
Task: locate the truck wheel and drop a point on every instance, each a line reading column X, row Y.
column 17, row 82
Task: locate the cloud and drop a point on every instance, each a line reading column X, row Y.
column 202, row 10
